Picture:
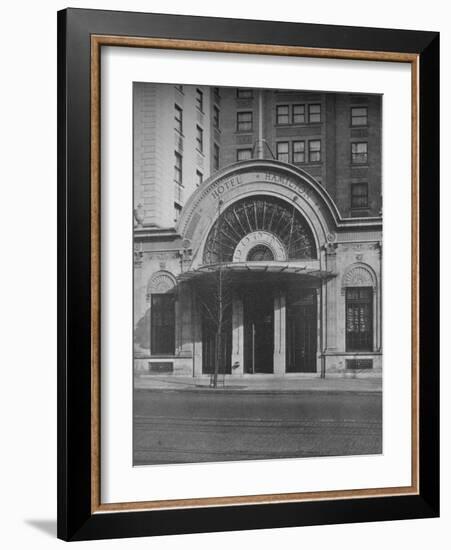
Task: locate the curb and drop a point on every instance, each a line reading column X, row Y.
column 261, row 391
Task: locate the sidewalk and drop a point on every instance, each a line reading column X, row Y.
column 258, row 384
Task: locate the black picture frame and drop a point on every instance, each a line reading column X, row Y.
column 76, row 520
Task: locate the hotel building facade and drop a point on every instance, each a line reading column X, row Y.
column 270, row 202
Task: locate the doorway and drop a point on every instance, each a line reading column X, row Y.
column 259, row 332
column 302, row 332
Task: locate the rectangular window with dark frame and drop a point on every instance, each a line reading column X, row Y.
column 298, row 114
column 199, row 178
column 314, row 113
column 298, row 151
column 177, row 212
column 178, row 116
column 359, row 195
column 314, row 150
column 359, row 153
column 359, row 319
column 216, row 117
column 359, row 116
column 216, row 156
column 199, row 139
column 244, row 121
column 200, row 100
column 244, row 93
column 162, row 324
column 282, row 151
column 243, row 154
column 178, row 161
column 282, row 114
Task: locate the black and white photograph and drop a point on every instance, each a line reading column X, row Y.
column 223, row 318
column 257, row 262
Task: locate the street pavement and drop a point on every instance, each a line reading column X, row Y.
column 261, row 383
column 248, row 420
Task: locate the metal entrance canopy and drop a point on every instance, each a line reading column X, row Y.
column 265, row 270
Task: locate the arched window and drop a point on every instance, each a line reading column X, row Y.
column 359, row 285
column 260, row 213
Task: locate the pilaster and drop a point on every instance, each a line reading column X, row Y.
column 279, row 334
column 237, row 336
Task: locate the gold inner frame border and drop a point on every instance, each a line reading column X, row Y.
column 97, row 41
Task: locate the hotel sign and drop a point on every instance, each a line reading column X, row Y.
column 223, row 186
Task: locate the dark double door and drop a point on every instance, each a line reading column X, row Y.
column 302, row 331
column 258, row 317
column 259, row 332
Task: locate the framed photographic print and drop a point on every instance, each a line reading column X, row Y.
column 248, row 274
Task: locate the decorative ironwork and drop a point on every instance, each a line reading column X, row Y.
column 260, row 253
column 359, row 364
column 260, row 213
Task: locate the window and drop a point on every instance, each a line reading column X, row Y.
column 243, row 154
column 178, row 119
column 178, row 168
column 359, row 153
column 179, row 87
column 359, row 116
column 200, row 100
column 199, row 139
column 298, row 115
column 244, row 93
column 216, row 156
column 162, row 324
column 282, row 114
column 199, row 178
column 314, row 113
column 177, row 212
column 298, row 151
column 216, row 94
column 314, row 150
column 216, row 117
column 282, row 151
column 244, row 121
column 359, row 195
column 359, row 319
column 178, row 194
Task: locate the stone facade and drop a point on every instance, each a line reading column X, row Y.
column 290, row 312
column 348, row 256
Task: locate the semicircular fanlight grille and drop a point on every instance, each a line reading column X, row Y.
column 260, row 253
column 259, row 213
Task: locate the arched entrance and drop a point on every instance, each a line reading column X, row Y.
column 261, row 232
column 257, row 235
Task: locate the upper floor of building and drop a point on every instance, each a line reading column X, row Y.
column 184, row 134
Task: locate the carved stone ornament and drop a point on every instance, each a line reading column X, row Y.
column 253, row 240
column 359, row 276
column 161, row 282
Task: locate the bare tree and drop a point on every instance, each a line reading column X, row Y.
column 215, row 295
